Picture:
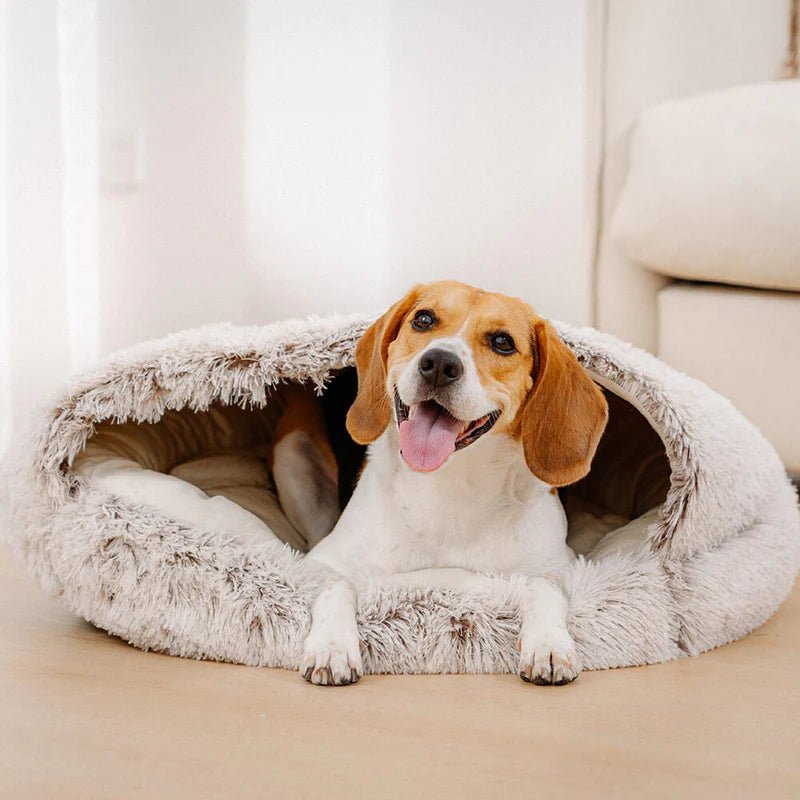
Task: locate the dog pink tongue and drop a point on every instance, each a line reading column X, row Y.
column 428, row 438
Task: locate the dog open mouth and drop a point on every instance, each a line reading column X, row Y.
column 429, row 433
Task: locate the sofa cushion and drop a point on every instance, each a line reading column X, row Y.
column 743, row 343
column 713, row 190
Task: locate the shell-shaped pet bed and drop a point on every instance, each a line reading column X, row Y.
column 143, row 501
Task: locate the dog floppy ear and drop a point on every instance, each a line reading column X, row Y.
column 564, row 414
column 370, row 413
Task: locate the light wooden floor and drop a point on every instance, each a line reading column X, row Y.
column 83, row 715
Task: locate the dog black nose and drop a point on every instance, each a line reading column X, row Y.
column 440, row 367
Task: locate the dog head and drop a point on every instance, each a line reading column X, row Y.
column 456, row 364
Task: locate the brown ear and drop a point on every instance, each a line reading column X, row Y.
column 564, row 415
column 370, row 413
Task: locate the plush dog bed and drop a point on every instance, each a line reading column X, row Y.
column 144, row 502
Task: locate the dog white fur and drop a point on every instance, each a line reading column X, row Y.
column 482, row 515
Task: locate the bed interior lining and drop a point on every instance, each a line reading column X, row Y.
column 224, row 454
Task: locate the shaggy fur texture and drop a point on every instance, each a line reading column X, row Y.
column 716, row 562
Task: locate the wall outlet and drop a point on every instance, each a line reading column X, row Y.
column 123, row 160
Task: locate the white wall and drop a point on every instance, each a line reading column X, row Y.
column 317, row 155
column 309, row 156
column 171, row 248
column 488, row 146
column 298, row 156
column 393, row 141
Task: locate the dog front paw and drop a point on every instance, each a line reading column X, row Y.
column 549, row 660
column 331, row 663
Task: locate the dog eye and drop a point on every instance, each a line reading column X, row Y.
column 423, row 320
column 502, row 343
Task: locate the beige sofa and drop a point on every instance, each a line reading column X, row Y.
column 725, row 310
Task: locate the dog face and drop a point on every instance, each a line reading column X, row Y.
column 457, row 364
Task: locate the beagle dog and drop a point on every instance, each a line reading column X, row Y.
column 474, row 410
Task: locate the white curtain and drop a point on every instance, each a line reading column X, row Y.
column 48, row 200
column 5, row 327
column 78, row 79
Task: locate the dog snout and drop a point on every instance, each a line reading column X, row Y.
column 439, row 367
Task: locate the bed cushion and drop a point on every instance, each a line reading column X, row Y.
column 749, row 352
